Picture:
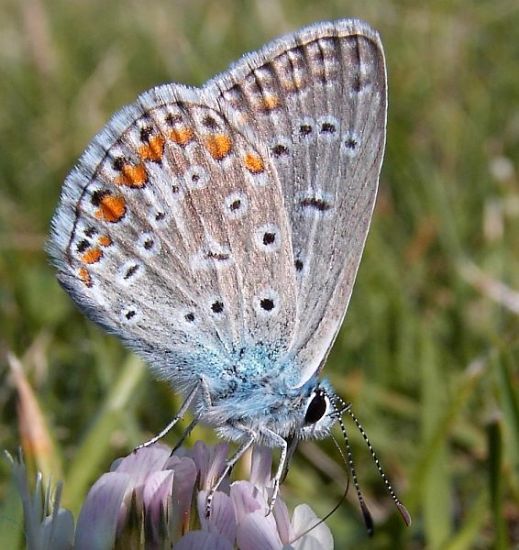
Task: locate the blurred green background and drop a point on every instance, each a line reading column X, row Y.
column 429, row 351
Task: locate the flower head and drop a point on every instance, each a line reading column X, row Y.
column 157, row 500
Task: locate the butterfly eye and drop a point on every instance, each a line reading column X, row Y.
column 316, row 409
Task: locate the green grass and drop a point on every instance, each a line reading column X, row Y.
column 429, row 351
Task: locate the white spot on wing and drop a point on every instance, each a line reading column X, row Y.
column 148, row 244
column 267, row 303
column 131, row 315
column 196, row 177
column 130, row 272
column 328, row 128
column 350, row 144
column 268, row 237
column 211, row 255
column 235, row 205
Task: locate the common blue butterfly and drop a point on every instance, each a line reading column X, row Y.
column 218, row 230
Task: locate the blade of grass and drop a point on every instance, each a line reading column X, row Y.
column 11, row 518
column 510, row 405
column 94, row 447
column 473, row 523
column 461, row 393
column 496, row 481
column 436, row 497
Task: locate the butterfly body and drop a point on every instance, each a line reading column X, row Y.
column 266, row 406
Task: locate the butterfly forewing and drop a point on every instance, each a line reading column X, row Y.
column 167, row 236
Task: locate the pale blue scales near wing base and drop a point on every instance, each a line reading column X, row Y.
column 218, row 230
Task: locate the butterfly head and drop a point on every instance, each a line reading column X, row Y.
column 318, row 412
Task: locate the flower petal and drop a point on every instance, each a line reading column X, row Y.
column 140, row 464
column 200, row 454
column 156, row 497
column 97, row 522
column 258, row 532
column 57, row 531
column 261, row 466
column 210, row 462
column 158, row 486
column 216, row 465
column 283, row 521
column 182, row 494
column 202, row 540
column 143, row 461
column 222, row 519
column 246, row 499
column 319, row 538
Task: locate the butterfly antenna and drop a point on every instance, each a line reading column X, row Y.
column 406, row 516
column 366, row 514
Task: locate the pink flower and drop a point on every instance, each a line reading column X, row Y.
column 152, row 496
column 153, row 500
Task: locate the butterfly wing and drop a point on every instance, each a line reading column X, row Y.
column 170, row 233
column 318, row 100
column 202, row 223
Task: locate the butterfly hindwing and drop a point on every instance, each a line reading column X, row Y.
column 317, row 98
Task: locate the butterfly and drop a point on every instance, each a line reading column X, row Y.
column 217, row 231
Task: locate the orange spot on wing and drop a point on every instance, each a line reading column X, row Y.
column 132, row 176
column 218, row 145
column 294, row 84
column 270, row 102
column 153, row 150
column 104, row 240
column 111, row 208
column 84, row 275
column 254, row 163
column 92, row 255
column 182, row 135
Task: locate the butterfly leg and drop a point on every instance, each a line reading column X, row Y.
column 206, row 399
column 182, row 411
column 247, row 443
column 276, row 440
column 292, row 443
column 186, row 434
